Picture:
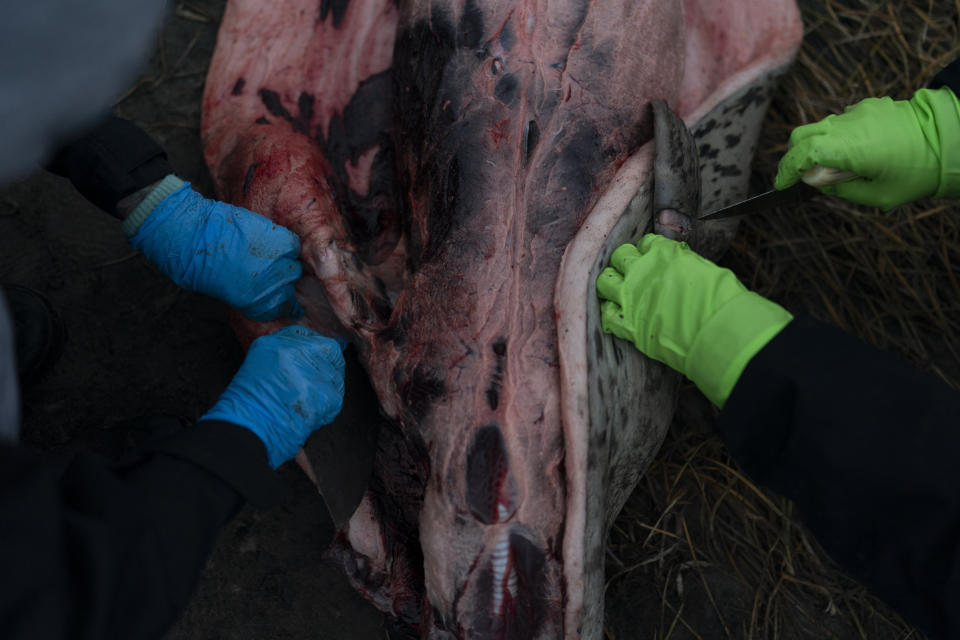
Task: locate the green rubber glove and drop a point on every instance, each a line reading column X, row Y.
column 686, row 312
column 903, row 149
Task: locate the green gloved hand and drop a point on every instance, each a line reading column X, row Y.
column 686, row 312
column 903, row 149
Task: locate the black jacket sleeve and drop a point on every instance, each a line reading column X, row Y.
column 105, row 550
column 949, row 76
column 867, row 447
column 111, row 161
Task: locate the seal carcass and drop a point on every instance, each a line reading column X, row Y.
column 458, row 172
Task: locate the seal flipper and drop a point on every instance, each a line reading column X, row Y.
column 676, row 176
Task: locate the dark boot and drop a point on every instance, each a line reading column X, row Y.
column 38, row 332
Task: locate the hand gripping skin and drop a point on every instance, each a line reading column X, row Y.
column 224, row 251
column 681, row 309
column 290, row 384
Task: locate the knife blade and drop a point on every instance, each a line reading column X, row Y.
column 340, row 457
column 764, row 202
column 818, row 176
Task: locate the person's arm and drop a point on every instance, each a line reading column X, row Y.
column 866, row 445
column 902, row 150
column 224, row 251
column 681, row 309
column 114, row 550
column 114, row 165
column 107, row 550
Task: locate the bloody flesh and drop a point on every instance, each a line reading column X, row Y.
column 438, row 160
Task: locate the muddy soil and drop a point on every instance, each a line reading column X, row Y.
column 140, row 346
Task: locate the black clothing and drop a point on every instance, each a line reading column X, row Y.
column 867, row 446
column 108, row 550
column 113, row 550
column 101, row 549
column 111, row 161
column 949, row 76
column 96, row 549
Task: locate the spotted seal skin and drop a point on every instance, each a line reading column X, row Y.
column 631, row 398
column 726, row 143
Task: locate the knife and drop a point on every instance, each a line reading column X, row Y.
column 804, row 189
column 339, row 458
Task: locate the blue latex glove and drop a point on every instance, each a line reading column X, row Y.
column 218, row 249
column 289, row 385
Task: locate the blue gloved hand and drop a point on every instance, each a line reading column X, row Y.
column 289, row 385
column 218, row 249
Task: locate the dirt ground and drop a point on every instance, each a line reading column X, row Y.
column 140, row 346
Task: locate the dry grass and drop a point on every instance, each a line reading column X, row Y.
column 709, row 515
column 891, row 278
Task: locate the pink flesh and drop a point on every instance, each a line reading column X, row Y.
column 457, row 319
